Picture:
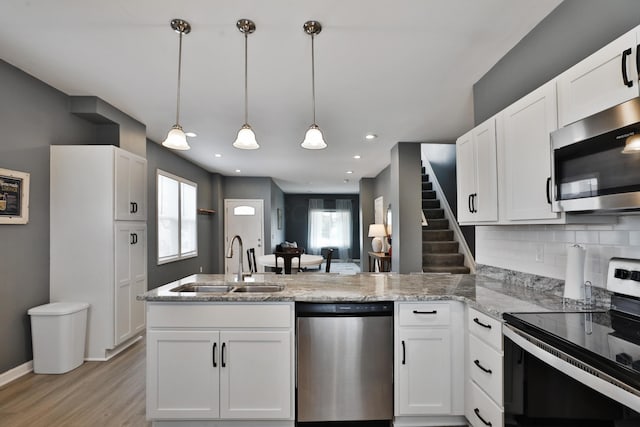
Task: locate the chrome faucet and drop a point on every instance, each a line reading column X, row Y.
column 240, row 275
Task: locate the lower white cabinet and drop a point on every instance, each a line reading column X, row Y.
column 429, row 383
column 197, row 371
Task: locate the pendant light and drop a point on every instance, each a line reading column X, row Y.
column 246, row 139
column 176, row 139
column 632, row 144
column 313, row 139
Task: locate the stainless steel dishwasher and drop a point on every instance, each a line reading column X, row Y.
column 344, row 362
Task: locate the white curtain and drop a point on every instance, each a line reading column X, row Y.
column 330, row 228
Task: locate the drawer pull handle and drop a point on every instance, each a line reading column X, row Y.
column 475, row 319
column 477, row 363
column 425, row 312
column 404, row 354
column 224, row 364
column 477, row 411
column 215, row 364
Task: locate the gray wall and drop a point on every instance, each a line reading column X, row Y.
column 406, row 206
column 33, row 116
column 573, row 31
column 162, row 158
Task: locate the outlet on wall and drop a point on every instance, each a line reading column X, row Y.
column 539, row 252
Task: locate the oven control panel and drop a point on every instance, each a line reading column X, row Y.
column 623, row 276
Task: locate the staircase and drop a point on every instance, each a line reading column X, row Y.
column 439, row 250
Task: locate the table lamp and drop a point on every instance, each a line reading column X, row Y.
column 377, row 231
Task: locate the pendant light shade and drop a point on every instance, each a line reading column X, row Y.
column 246, row 139
column 632, row 144
column 313, row 139
column 176, row 139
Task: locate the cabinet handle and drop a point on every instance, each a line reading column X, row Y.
column 404, row 354
column 625, row 78
column 425, row 312
column 223, row 363
column 215, row 346
column 638, row 59
column 549, row 190
column 477, row 363
column 477, row 411
column 475, row 319
column 133, row 238
column 473, row 202
column 469, row 203
column 134, row 207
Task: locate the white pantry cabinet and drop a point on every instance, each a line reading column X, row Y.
column 606, row 78
column 94, row 257
column 476, row 169
column 220, row 361
column 524, row 153
column 428, row 353
column 130, row 187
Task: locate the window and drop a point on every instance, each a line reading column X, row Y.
column 330, row 227
column 177, row 225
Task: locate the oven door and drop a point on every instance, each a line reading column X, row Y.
column 544, row 387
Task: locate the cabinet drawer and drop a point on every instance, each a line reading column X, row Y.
column 486, row 328
column 480, row 410
column 221, row 315
column 424, row 314
column 485, row 368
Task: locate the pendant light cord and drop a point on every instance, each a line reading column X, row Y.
column 179, row 79
column 246, row 91
column 313, row 79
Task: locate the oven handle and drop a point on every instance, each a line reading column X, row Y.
column 606, row 386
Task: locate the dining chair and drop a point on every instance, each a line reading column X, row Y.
column 327, row 268
column 251, row 257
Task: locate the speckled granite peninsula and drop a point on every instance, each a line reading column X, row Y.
column 484, row 293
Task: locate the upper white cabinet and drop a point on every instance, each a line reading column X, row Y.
column 130, row 187
column 602, row 80
column 525, row 156
column 94, row 257
column 476, row 171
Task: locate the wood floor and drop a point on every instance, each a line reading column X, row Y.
column 95, row 394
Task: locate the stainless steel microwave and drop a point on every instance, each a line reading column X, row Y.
column 590, row 172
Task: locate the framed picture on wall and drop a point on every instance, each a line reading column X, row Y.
column 14, row 197
column 378, row 210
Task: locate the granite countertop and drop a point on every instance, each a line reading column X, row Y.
column 481, row 292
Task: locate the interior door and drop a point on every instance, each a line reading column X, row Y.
column 245, row 218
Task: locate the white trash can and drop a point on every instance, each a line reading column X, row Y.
column 58, row 332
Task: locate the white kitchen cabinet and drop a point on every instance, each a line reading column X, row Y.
column 524, row 152
column 428, row 353
column 476, row 169
column 130, row 187
column 94, row 257
column 484, row 387
column 598, row 82
column 220, row 361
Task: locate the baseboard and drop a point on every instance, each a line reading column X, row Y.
column 109, row 354
column 15, row 373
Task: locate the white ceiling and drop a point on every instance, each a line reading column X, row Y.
column 401, row 69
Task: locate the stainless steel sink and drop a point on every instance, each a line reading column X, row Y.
column 203, row 288
column 272, row 287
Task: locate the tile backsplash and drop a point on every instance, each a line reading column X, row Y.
column 542, row 249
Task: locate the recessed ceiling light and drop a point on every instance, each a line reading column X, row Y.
column 191, row 134
column 356, row 156
column 349, row 172
column 237, row 170
column 370, row 136
column 218, row 155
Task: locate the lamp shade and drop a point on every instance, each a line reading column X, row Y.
column 246, row 139
column 176, row 139
column 377, row 230
column 313, row 139
column 632, row 144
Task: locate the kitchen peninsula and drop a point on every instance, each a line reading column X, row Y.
column 226, row 358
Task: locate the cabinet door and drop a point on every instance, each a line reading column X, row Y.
column 423, row 368
column 256, row 375
column 526, row 154
column 466, row 176
column 130, row 186
column 130, row 279
column 597, row 82
column 183, row 374
column 485, row 200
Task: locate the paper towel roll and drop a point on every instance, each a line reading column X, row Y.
column 574, row 277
